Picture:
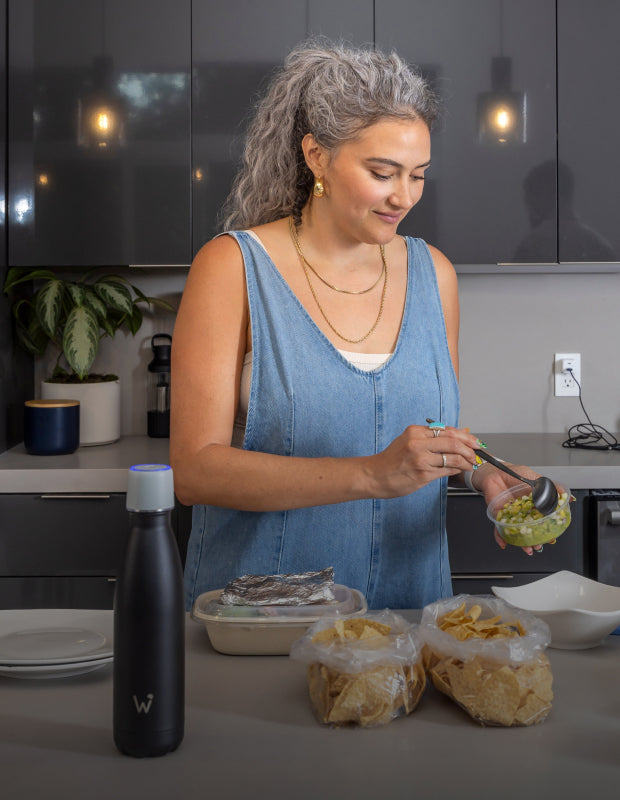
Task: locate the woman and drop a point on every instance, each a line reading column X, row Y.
column 313, row 342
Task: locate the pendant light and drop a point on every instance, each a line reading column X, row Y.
column 101, row 110
column 502, row 112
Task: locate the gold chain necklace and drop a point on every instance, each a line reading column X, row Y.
column 305, row 266
column 295, row 239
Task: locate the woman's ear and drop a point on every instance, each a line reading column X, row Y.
column 315, row 155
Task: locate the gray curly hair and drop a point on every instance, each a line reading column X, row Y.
column 332, row 91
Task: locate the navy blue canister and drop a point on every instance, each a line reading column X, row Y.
column 51, row 427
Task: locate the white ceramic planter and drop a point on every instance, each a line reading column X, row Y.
column 100, row 408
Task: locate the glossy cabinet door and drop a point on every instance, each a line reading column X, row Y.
column 588, row 117
column 476, row 206
column 236, row 46
column 99, row 132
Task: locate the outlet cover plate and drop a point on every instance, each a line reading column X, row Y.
column 564, row 384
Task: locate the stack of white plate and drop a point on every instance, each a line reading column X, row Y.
column 54, row 643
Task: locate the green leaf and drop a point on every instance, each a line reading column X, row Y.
column 81, row 340
column 135, row 320
column 76, row 292
column 156, row 301
column 108, row 327
column 48, row 305
column 115, row 295
column 23, row 338
column 95, row 303
column 21, row 275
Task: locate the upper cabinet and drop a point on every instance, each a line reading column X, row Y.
column 126, row 121
column 588, row 186
column 236, row 46
column 492, row 63
column 99, row 132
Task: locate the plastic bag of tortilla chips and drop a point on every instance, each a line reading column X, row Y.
column 363, row 670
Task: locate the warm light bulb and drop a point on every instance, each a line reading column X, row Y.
column 103, row 121
column 503, row 119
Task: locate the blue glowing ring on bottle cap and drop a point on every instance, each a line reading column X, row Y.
column 150, row 487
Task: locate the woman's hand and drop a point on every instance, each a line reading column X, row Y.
column 491, row 481
column 420, row 455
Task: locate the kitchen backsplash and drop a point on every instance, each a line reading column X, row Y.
column 511, row 326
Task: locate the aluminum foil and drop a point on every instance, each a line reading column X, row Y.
column 296, row 589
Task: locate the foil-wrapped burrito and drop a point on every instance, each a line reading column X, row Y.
column 295, row 589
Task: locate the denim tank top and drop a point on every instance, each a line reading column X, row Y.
column 307, row 400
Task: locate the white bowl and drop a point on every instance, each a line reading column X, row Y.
column 580, row 612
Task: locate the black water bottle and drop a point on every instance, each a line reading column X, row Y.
column 149, row 622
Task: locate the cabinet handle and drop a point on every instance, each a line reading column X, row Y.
column 156, row 266
column 530, row 263
column 75, row 496
column 484, row 576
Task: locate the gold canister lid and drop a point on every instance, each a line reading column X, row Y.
column 51, row 403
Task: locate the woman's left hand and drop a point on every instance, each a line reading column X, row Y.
column 492, row 481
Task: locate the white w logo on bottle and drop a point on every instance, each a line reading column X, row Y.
column 143, row 707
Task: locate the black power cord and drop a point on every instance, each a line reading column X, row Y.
column 590, row 436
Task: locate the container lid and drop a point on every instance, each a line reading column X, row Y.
column 51, row 403
column 207, row 608
column 150, row 488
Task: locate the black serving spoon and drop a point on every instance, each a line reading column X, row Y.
column 544, row 492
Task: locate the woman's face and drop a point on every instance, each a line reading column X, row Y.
column 373, row 181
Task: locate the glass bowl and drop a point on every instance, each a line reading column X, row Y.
column 523, row 525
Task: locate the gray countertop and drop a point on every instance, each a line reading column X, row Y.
column 103, row 468
column 250, row 732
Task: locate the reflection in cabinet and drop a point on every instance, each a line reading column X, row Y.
column 99, row 132
column 236, row 46
column 477, row 562
column 474, row 207
column 588, row 189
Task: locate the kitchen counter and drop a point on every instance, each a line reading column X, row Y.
column 100, row 468
column 250, row 732
column 103, row 468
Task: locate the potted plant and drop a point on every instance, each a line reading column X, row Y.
column 74, row 315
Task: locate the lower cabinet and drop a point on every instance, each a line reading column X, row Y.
column 65, row 550
column 477, row 562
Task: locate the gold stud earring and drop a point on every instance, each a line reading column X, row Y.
column 319, row 189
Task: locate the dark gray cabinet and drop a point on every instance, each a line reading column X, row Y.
column 477, row 562
column 99, row 132
column 482, row 56
column 64, row 550
column 236, row 46
column 588, row 187
column 176, row 80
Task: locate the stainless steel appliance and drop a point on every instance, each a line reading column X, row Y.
column 606, row 555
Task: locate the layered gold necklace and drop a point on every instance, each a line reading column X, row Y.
column 307, row 267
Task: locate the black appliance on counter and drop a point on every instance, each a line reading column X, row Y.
column 604, row 517
column 158, row 401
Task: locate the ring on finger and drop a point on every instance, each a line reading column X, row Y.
column 444, row 459
column 436, row 432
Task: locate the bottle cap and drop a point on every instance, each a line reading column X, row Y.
column 150, row 487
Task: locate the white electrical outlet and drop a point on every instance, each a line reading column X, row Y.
column 565, row 385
